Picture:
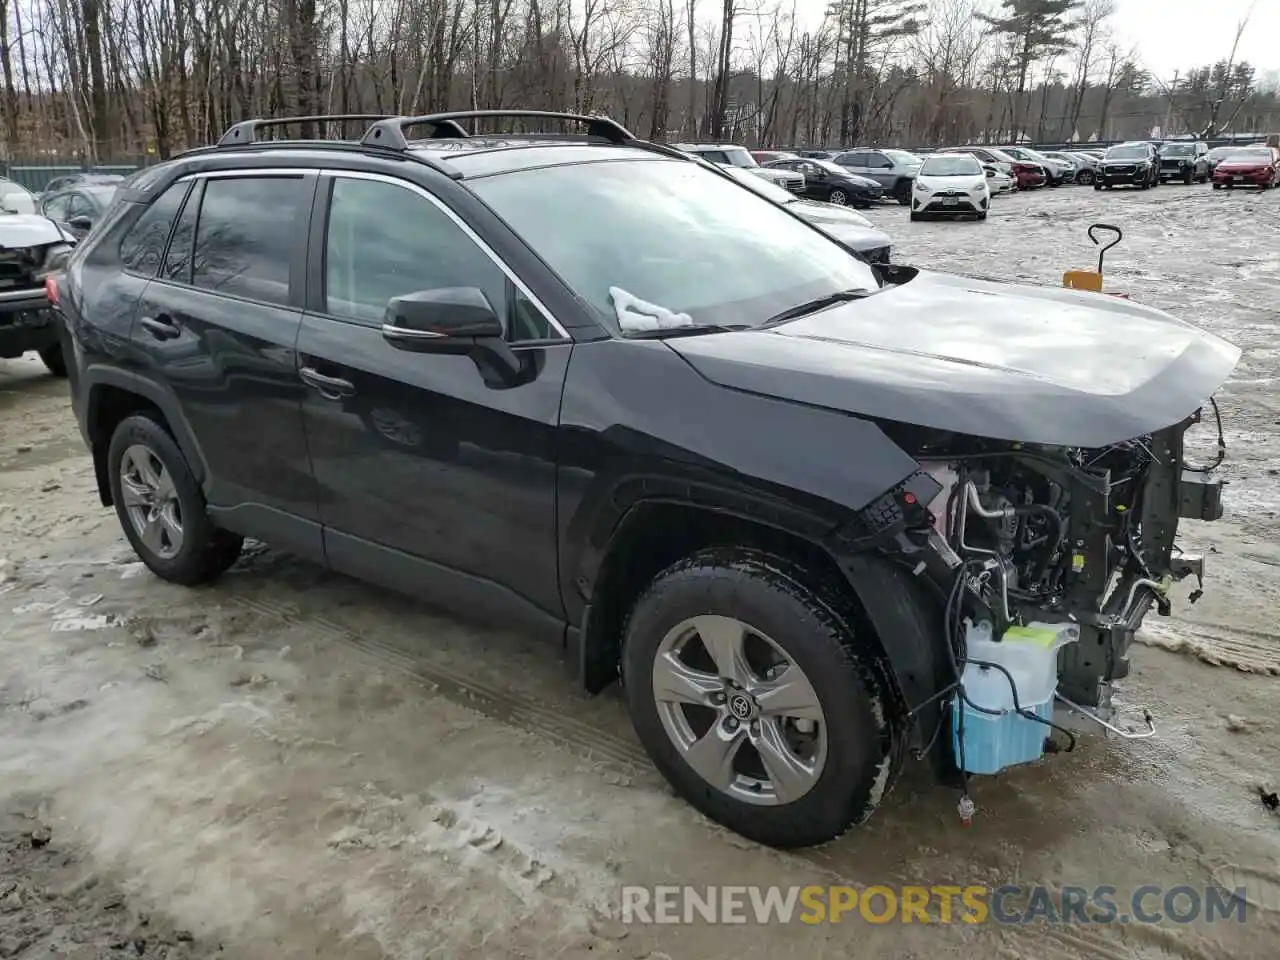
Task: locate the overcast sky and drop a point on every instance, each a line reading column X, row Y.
column 1178, row 34
column 1169, row 34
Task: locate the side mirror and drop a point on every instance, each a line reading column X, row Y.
column 80, row 223
column 443, row 320
column 457, row 321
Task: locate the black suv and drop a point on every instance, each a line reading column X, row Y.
column 1134, row 164
column 596, row 386
column 1185, row 160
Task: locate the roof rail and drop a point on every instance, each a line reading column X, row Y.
column 246, row 131
column 389, row 132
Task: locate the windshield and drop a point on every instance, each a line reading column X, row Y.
column 102, row 194
column 1127, row 151
column 1016, row 152
column 902, row 156
column 1217, row 153
column 739, row 157
column 951, row 167
column 672, row 234
column 1178, row 150
column 1248, row 156
column 830, row 167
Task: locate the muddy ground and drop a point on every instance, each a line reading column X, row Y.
column 292, row 764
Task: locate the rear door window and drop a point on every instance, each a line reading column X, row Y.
column 143, row 245
column 246, row 235
column 177, row 262
column 56, row 207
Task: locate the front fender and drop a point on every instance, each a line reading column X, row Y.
column 637, row 422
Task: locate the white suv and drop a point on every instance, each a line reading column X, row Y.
column 732, row 155
column 950, row 184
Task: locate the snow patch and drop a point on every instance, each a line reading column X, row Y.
column 635, row 315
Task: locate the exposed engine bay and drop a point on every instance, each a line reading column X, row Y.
column 1036, row 533
column 26, row 267
column 31, row 248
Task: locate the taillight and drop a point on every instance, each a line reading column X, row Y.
column 51, row 289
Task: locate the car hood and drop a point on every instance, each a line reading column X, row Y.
column 967, row 181
column 1242, row 165
column 815, row 211
column 988, row 359
column 18, row 230
column 1125, row 163
column 778, row 175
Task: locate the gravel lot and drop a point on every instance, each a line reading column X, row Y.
column 292, row 764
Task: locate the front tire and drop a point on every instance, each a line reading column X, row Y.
column 902, row 193
column 54, row 360
column 161, row 507
column 757, row 700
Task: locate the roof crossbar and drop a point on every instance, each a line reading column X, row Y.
column 389, row 132
column 246, row 131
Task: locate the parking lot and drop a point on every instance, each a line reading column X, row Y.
column 293, row 764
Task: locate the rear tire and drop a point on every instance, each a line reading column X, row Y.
column 1085, row 177
column 161, row 507
column 838, row 197
column 52, row 357
column 834, row 762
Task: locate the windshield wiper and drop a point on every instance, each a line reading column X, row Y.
column 688, row 330
column 812, row 306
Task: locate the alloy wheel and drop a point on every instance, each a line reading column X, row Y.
column 839, row 197
column 151, row 501
column 739, row 710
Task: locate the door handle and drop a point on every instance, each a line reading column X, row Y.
column 162, row 326
column 331, row 388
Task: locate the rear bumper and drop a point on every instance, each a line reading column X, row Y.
column 26, row 322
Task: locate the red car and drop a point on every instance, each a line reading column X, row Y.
column 1248, row 167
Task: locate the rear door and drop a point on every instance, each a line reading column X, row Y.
column 217, row 328
column 880, row 168
column 434, row 477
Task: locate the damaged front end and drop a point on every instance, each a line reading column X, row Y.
column 27, row 258
column 1021, row 535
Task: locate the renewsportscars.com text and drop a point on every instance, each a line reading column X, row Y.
column 936, row 904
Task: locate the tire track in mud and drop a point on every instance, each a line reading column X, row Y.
column 1250, row 651
column 506, row 706
column 601, row 746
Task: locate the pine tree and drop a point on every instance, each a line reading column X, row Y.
column 1036, row 29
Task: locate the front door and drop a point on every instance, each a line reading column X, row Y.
column 435, row 477
column 217, row 326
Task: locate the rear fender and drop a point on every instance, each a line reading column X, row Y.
column 101, row 386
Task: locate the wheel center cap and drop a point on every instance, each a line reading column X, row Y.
column 740, row 706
